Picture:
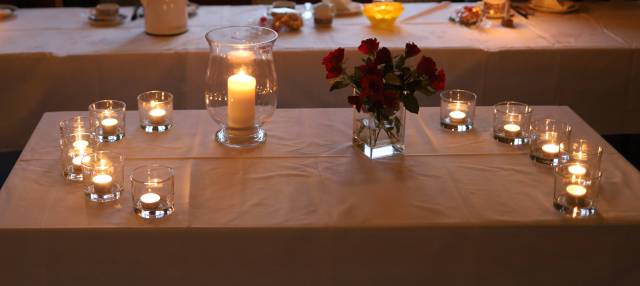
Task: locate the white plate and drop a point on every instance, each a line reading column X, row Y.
column 110, row 22
column 355, row 8
column 571, row 6
column 7, row 11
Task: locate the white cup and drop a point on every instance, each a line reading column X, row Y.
column 165, row 17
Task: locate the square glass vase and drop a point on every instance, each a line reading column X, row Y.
column 379, row 136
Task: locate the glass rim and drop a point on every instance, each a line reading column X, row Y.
column 444, row 93
column 210, row 39
column 109, row 153
column 170, row 95
column 151, row 167
column 567, row 126
column 564, row 167
column 122, row 104
column 527, row 108
column 70, row 119
column 598, row 150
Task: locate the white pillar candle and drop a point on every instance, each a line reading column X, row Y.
column 109, row 126
column 102, row 184
column 512, row 129
column 156, row 115
column 150, row 201
column 241, row 100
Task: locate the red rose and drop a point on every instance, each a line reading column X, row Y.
column 333, row 63
column 369, row 46
column 426, row 66
column 372, row 88
column 437, row 82
column 370, row 69
column 411, row 50
column 383, row 57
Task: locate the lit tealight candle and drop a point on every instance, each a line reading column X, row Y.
column 577, row 169
column 576, row 190
column 242, row 100
column 102, row 183
column 512, row 129
column 156, row 115
column 457, row 116
column 150, row 201
column 109, row 126
column 550, row 149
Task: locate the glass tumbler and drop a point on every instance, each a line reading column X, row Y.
column 73, row 149
column 155, row 109
column 549, row 141
column 241, row 85
column 152, row 191
column 576, row 195
column 109, row 118
column 103, row 176
column 511, row 121
column 457, row 110
column 585, row 156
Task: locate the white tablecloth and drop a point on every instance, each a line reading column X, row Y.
column 307, row 209
column 52, row 59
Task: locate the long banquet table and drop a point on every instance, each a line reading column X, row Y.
column 53, row 60
column 306, row 209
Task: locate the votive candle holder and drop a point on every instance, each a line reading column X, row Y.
column 511, row 120
column 155, row 109
column 76, row 124
column 576, row 195
column 109, row 118
column 457, row 110
column 74, row 147
column 103, row 176
column 549, row 141
column 152, row 191
column 585, row 155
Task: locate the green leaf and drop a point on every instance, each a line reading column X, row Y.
column 411, row 103
column 391, row 78
column 425, row 88
column 338, row 85
column 400, row 62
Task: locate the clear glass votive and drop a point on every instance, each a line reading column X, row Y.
column 74, row 147
column 76, row 124
column 494, row 9
column 575, row 195
column 103, row 176
column 152, row 191
column 586, row 156
column 511, row 121
column 457, row 109
column 549, row 141
column 156, row 111
column 109, row 118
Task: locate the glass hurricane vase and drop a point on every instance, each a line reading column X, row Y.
column 379, row 135
column 241, row 84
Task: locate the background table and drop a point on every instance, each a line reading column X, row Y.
column 52, row 59
column 306, row 208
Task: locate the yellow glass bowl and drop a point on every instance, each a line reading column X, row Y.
column 383, row 14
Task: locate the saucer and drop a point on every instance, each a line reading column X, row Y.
column 7, row 11
column 354, row 8
column 570, row 7
column 106, row 21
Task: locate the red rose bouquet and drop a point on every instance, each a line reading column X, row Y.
column 383, row 83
